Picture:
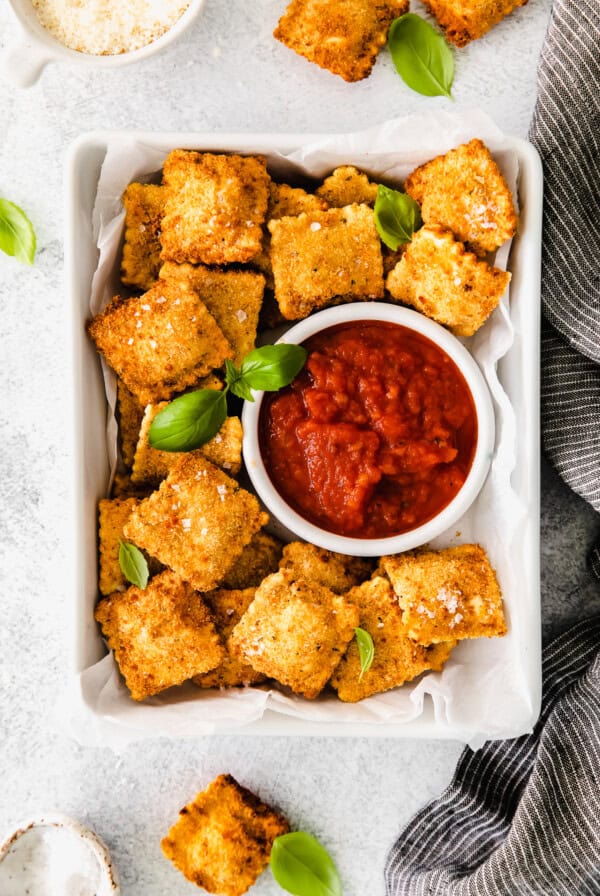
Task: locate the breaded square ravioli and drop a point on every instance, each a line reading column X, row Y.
column 397, row 657
column 347, row 185
column 439, row 278
column 284, row 201
column 151, row 465
column 257, row 561
column 234, row 298
column 289, row 202
column 222, row 840
column 335, row 571
column 161, row 635
column 342, row 37
column 295, row 631
column 323, row 257
column 198, row 522
column 464, row 191
column 130, row 414
column 161, row 342
column 112, row 517
column 447, row 595
column 215, row 207
column 144, row 205
column 467, row 20
column 228, row 607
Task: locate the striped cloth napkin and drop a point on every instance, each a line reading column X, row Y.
column 523, row 816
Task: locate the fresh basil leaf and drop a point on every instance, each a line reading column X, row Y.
column 421, row 55
column 133, row 564
column 189, row 421
column 303, row 867
column 272, row 366
column 397, row 216
column 235, row 381
column 366, row 650
column 17, row 237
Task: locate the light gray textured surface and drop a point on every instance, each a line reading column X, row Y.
column 227, row 73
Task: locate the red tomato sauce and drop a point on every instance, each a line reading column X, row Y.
column 376, row 434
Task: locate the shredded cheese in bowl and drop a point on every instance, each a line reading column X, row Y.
column 108, row 27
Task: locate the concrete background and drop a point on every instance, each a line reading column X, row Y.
column 226, row 73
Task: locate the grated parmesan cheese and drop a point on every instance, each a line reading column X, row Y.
column 108, row 27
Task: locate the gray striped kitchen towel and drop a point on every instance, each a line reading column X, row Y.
column 523, row 816
column 520, row 816
column 566, row 132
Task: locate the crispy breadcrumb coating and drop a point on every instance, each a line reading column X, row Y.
column 161, row 342
column 325, row 257
column 397, row 657
column 448, row 594
column 295, row 631
column 161, row 635
column 439, row 278
column 467, row 20
column 464, row 191
column 222, row 840
column 198, row 522
column 343, row 37
column 215, row 207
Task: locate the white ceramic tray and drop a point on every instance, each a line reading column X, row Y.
column 518, row 372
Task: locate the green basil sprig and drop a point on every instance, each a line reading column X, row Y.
column 421, row 55
column 397, row 217
column 366, row 650
column 133, row 564
column 303, row 867
column 17, row 237
column 193, row 419
column 189, row 421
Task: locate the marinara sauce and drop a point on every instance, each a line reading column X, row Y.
column 376, row 434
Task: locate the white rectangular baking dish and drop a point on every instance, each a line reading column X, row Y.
column 518, row 372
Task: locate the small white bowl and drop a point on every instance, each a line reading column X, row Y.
column 395, row 544
column 23, row 63
column 29, row 860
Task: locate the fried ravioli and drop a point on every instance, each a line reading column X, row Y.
column 397, row 657
column 152, row 465
column 228, row 607
column 112, row 516
column 346, row 186
column 284, row 201
column 161, row 342
column 343, row 38
column 198, row 522
column 161, row 635
column 215, row 207
column 222, row 840
column 439, row 278
column 130, row 414
column 258, row 560
column 289, row 202
column 323, row 257
column 234, row 298
column 295, row 631
column 448, row 594
column 464, row 191
column 337, row 572
column 467, row 20
column 144, row 205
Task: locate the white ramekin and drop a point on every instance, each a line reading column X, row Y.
column 40, row 863
column 22, row 63
column 376, row 547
